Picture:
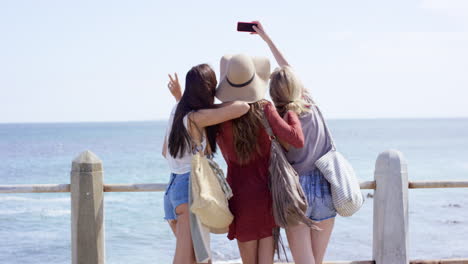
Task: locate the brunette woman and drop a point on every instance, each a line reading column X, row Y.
column 195, row 108
column 288, row 94
column 246, row 148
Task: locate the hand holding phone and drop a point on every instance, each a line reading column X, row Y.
column 255, row 28
column 246, row 26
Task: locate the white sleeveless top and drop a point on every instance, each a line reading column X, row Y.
column 179, row 165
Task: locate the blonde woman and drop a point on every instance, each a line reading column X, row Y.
column 288, row 94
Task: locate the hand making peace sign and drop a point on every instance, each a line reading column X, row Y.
column 174, row 87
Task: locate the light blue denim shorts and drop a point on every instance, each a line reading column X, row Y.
column 177, row 193
column 317, row 191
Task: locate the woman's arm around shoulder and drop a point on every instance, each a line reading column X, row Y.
column 225, row 112
column 290, row 131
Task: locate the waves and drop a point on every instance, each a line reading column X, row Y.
column 51, row 200
column 41, row 212
column 30, row 199
column 14, row 205
column 55, row 213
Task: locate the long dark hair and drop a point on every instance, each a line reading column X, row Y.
column 199, row 93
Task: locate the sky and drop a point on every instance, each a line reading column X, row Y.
column 78, row 61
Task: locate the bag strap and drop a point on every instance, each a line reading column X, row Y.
column 327, row 130
column 208, row 151
column 198, row 147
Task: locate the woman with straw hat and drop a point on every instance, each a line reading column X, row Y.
column 245, row 146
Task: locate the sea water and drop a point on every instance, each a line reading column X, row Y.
column 35, row 228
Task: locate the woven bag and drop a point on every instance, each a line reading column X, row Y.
column 346, row 191
column 210, row 202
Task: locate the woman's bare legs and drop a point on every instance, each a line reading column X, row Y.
column 257, row 251
column 299, row 239
column 248, row 251
column 266, row 250
column 321, row 238
column 184, row 248
column 173, row 225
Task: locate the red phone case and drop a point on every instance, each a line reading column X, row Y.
column 245, row 23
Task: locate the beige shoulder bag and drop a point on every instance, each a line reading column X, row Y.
column 210, row 203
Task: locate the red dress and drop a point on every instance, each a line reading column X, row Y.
column 251, row 203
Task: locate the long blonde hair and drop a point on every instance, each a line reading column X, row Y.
column 245, row 132
column 286, row 91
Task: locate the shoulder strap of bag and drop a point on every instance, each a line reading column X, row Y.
column 196, row 147
column 208, row 151
column 327, row 131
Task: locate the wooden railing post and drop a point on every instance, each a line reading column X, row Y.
column 87, row 210
column 390, row 238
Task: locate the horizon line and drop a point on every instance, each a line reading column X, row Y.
column 165, row 120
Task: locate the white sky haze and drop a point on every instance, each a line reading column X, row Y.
column 68, row 61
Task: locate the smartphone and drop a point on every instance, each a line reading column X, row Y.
column 246, row 27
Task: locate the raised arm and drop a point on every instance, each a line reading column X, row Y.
column 289, row 132
column 176, row 91
column 276, row 53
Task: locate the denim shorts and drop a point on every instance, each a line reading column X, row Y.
column 177, row 193
column 317, row 191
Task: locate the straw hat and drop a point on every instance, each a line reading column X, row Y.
column 243, row 78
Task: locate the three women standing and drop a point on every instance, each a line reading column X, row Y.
column 245, row 146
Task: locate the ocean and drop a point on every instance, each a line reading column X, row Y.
column 35, row 228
